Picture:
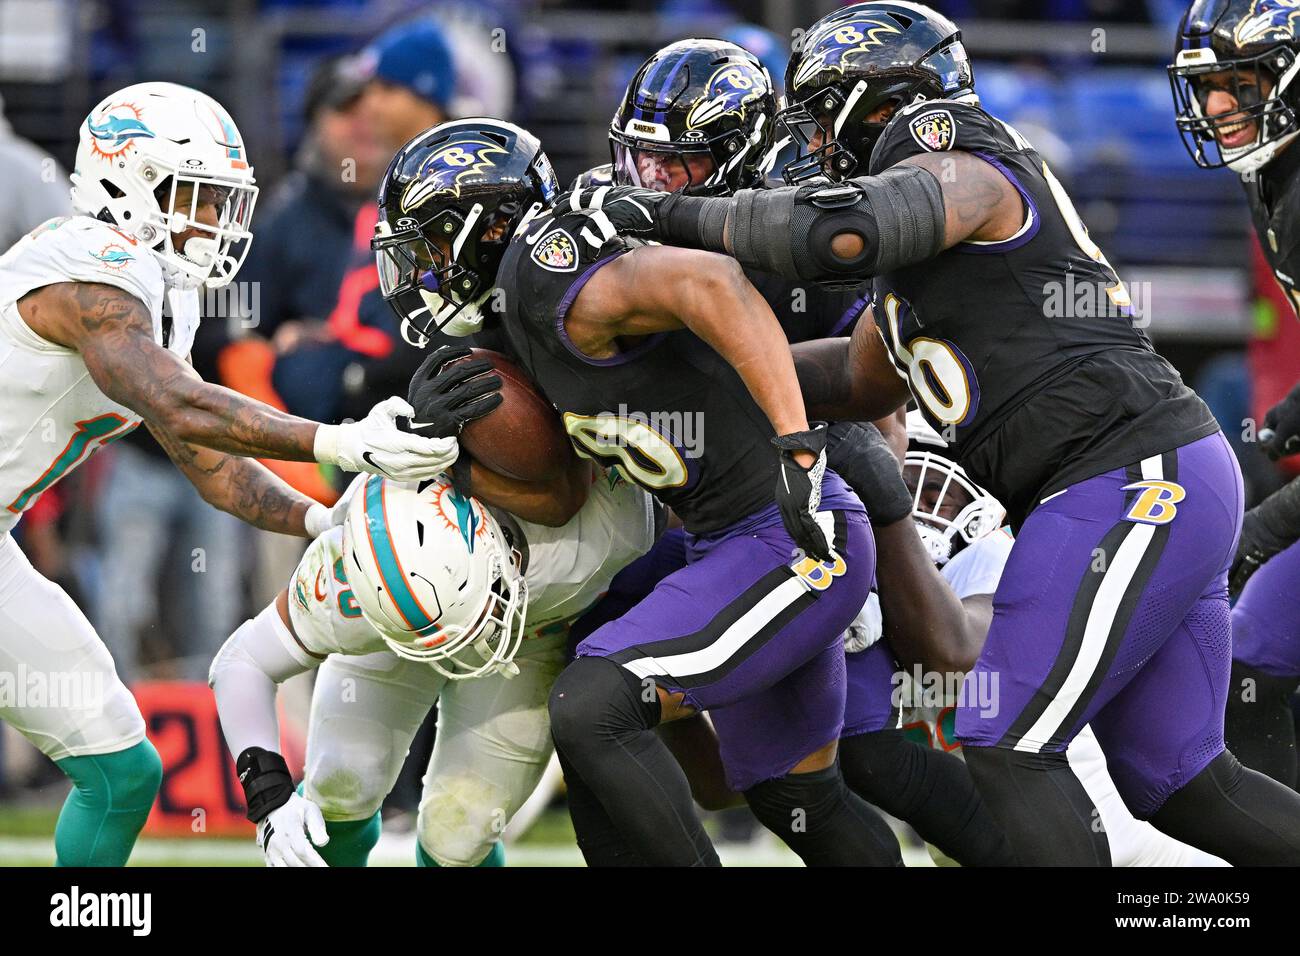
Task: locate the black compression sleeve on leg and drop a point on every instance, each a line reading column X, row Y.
column 823, row 821
column 931, row 790
column 1041, row 806
column 599, row 839
column 1259, row 727
column 1238, row 814
column 602, row 722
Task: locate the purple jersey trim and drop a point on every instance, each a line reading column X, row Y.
column 1006, row 245
column 567, row 302
column 849, row 317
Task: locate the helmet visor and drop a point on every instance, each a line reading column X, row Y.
column 663, row 170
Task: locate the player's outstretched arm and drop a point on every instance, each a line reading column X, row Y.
column 244, row 677
column 856, row 229
column 243, row 487
column 113, row 331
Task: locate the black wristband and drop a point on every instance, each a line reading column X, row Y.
column 1279, row 514
column 460, row 473
column 266, row 781
column 696, row 221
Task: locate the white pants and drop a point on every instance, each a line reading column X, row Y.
column 492, row 745
column 58, row 686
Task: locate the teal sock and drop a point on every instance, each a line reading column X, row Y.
column 351, row 841
column 496, row 856
column 109, row 803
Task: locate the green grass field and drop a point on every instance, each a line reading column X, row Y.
column 26, row 840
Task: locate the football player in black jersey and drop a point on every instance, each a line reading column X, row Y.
column 1237, row 101
column 668, row 365
column 918, row 785
column 1124, row 494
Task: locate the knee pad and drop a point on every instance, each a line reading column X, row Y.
column 460, row 820
column 778, row 803
column 595, row 697
column 348, row 785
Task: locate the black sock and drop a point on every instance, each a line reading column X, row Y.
column 1041, row 806
column 602, row 720
column 931, row 790
column 823, row 821
column 1241, row 815
column 1259, row 727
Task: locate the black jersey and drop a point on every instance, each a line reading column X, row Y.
column 807, row 310
column 669, row 411
column 1274, row 197
column 1024, row 352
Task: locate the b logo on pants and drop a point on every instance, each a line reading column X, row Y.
column 1157, row 504
column 819, row 575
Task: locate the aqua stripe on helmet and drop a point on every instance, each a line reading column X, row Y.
column 390, row 569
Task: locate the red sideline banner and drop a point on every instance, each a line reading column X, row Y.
column 200, row 793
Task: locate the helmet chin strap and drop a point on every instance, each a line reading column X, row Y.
column 1261, row 157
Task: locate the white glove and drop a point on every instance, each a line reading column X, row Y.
column 320, row 519
column 282, row 834
column 375, row 444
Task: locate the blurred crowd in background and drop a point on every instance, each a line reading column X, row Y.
column 325, row 92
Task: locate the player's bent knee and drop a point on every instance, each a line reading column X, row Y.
column 348, row 786
column 461, row 818
column 594, row 697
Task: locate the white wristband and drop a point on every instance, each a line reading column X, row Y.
column 326, row 444
column 317, row 520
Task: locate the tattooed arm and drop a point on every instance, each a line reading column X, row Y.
column 243, row 487
column 113, row 332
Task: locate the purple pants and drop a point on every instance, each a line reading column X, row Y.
column 753, row 637
column 870, row 704
column 1113, row 611
column 1266, row 620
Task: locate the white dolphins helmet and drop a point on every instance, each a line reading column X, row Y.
column 928, row 467
column 143, row 143
column 434, row 575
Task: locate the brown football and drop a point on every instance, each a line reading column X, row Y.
column 522, row 437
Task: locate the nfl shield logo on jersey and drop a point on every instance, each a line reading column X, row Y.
column 556, row 251
column 934, row 130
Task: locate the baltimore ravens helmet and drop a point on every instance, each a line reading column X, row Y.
column 1248, row 49
column 448, row 205
column 698, row 117
column 852, row 62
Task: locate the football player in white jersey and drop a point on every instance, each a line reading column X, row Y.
column 960, row 524
column 503, row 592
column 97, row 314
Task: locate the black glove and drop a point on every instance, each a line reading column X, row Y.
column 1280, row 435
column 447, row 397
column 860, row 455
column 1271, row 526
column 799, row 489
column 632, row 211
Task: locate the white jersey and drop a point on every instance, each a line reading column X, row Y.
column 567, row 569
column 52, row 415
